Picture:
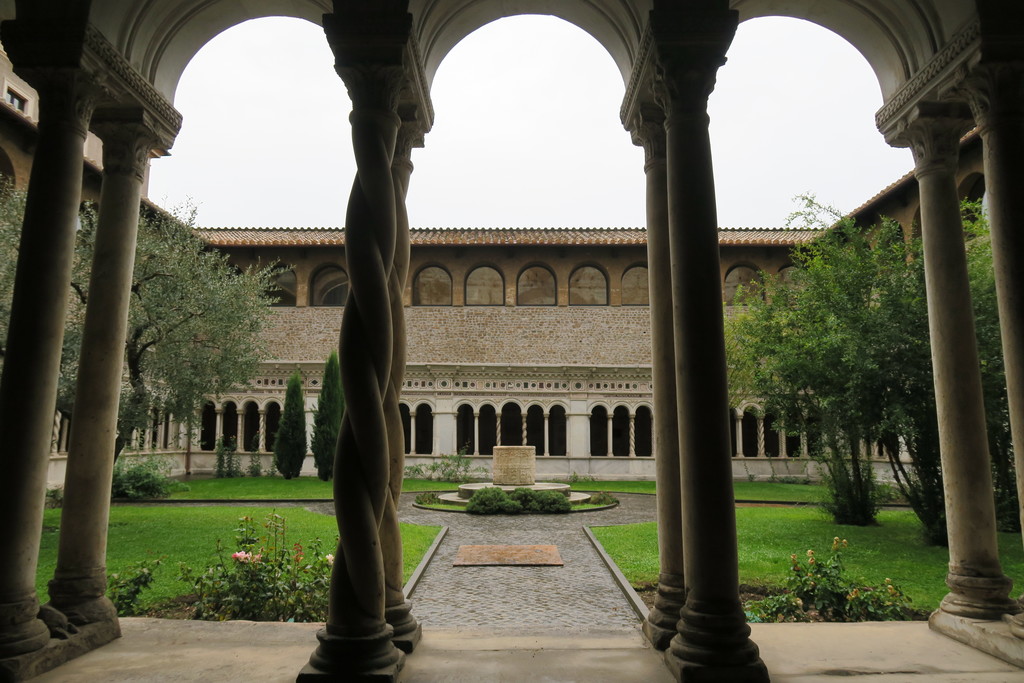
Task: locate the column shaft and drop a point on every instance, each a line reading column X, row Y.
column 660, row 626
column 28, row 389
column 79, row 584
column 978, row 588
column 712, row 642
column 476, row 433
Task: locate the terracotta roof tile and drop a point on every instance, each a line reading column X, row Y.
column 317, row 237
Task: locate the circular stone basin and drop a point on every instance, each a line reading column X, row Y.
column 466, row 492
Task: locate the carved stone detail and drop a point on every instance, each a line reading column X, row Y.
column 929, row 79
column 373, row 86
column 67, row 98
column 995, row 92
column 934, row 140
column 126, row 147
column 648, row 131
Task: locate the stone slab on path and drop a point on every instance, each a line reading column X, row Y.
column 507, row 556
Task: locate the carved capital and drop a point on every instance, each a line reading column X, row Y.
column 67, row 98
column 410, row 134
column 995, row 93
column 689, row 47
column 126, row 147
column 370, row 43
column 648, row 131
column 934, row 137
column 372, row 86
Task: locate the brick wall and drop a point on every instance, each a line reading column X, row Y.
column 600, row 335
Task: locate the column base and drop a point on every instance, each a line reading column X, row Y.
column 1000, row 638
column 21, row 629
column 364, row 659
column 713, row 644
column 979, row 597
column 408, row 631
column 660, row 624
column 58, row 650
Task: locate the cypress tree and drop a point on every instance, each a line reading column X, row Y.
column 327, row 420
column 290, row 444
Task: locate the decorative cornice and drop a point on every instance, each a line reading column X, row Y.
column 940, row 75
column 995, row 93
column 128, row 86
column 638, row 91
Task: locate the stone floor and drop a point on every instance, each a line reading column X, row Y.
column 545, row 624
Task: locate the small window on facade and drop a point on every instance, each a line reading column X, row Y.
column 19, row 102
column 433, row 287
column 536, row 287
column 737, row 278
column 635, row 290
column 284, row 288
column 588, row 287
column 330, row 287
column 485, row 287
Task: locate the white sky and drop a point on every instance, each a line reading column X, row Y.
column 526, row 132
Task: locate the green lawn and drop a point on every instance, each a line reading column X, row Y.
column 277, row 488
column 768, row 536
column 190, row 534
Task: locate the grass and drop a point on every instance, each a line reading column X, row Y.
column 768, row 536
column 277, row 488
column 189, row 535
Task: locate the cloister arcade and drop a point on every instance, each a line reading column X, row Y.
column 112, row 66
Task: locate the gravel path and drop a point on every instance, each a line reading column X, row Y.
column 578, row 597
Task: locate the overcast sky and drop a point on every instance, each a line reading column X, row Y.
column 526, row 132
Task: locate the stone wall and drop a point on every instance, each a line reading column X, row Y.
column 515, row 335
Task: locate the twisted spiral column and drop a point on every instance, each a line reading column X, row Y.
column 397, row 610
column 356, row 641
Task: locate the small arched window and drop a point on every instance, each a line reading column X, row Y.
column 283, row 288
column 635, row 290
column 739, row 277
column 330, row 287
column 432, row 287
column 485, row 287
column 536, row 287
column 588, row 287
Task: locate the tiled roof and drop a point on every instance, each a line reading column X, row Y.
column 318, row 237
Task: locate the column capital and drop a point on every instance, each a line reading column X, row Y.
column 648, row 131
column 127, row 145
column 689, row 47
column 369, row 42
column 995, row 93
column 933, row 133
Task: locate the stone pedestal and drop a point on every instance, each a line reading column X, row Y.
column 514, row 466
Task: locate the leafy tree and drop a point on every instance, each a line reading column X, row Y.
column 290, row 443
column 195, row 321
column 843, row 350
column 327, row 419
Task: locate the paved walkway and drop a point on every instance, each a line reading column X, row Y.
column 578, row 597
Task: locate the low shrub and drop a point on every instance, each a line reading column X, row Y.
column 495, row 501
column 125, row 586
column 821, row 587
column 266, row 579
column 227, row 459
column 141, row 478
column 55, row 497
column 428, row 498
column 603, row 498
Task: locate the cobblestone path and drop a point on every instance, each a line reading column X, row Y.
column 578, row 597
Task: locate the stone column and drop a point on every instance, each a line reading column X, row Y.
column 262, row 430
column 978, row 588
column 738, row 426
column 997, row 102
column 397, row 610
column 476, row 433
column 218, row 430
column 412, row 431
column 79, row 584
column 760, row 436
column 523, row 417
column 546, row 445
column 369, row 42
column 632, row 435
column 28, row 389
column 240, row 444
column 611, row 420
column 712, row 640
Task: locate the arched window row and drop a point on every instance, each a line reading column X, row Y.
column 621, row 432
column 756, row 434
column 478, row 429
column 249, row 425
